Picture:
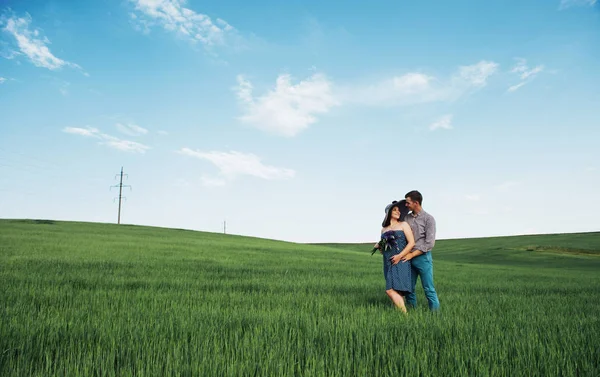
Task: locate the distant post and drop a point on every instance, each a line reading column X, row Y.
column 224, row 227
column 121, row 197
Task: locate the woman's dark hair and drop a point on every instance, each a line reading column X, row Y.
column 403, row 212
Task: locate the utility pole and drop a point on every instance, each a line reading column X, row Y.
column 224, row 227
column 121, row 197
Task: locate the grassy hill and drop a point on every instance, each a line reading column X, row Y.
column 87, row 299
column 581, row 249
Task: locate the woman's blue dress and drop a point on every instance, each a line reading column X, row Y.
column 399, row 276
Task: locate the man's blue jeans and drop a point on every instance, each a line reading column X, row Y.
column 423, row 266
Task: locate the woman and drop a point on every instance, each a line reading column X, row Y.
column 400, row 241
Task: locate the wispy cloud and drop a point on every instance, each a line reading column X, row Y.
column 2, row 79
column 161, row 132
column 564, row 4
column 409, row 88
column 417, row 87
column 124, row 145
column 475, row 75
column 63, row 87
column 6, row 49
column 516, row 86
column 173, row 16
column 444, row 123
column 524, row 72
column 288, row 108
column 32, row 44
column 233, row 164
column 108, row 140
column 131, row 129
column 473, row 197
column 89, row 131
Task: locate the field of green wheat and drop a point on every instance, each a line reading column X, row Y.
column 82, row 299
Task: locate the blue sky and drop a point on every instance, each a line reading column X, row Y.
column 301, row 120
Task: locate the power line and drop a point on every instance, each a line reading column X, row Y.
column 120, row 186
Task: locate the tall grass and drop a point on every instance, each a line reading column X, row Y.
column 102, row 300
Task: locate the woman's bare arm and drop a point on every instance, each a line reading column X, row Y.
column 409, row 238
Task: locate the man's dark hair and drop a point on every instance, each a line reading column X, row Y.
column 415, row 196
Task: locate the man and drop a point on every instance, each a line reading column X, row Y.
column 423, row 227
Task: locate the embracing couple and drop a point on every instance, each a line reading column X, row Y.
column 406, row 243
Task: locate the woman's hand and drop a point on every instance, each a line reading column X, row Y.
column 376, row 246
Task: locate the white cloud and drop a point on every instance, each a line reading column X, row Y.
column 2, row 79
column 525, row 74
column 564, row 4
column 234, row 164
column 444, row 123
column 409, row 88
column 532, row 72
column 173, row 16
column 473, row 197
column 124, row 145
column 516, row 87
column 108, row 140
column 412, row 83
column 89, row 131
column 6, row 51
column 131, row 129
column 33, row 45
column 416, row 87
column 288, row 108
column 161, row 132
column 476, row 75
column 63, row 87
column 524, row 71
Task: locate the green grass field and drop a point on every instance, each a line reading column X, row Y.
column 81, row 299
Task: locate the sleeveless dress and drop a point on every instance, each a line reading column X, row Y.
column 397, row 277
